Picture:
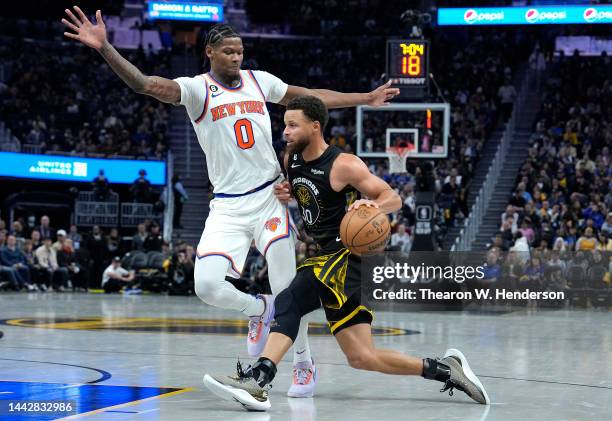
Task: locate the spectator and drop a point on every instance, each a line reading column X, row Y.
column 61, row 237
column 46, row 256
column 521, row 248
column 139, row 238
column 9, row 278
column 518, row 201
column 44, row 228
column 115, row 278
column 154, row 240
column 606, row 227
column 180, row 197
column 97, row 246
column 74, row 235
column 141, row 188
column 587, row 241
column 13, row 257
column 36, row 239
column 112, row 242
column 527, row 231
column 180, row 273
column 555, row 261
column 18, row 231
column 513, row 215
column 491, row 270
column 66, row 259
column 507, row 95
column 101, row 187
column 401, row 240
column 35, row 268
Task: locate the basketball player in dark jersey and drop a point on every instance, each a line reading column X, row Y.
column 325, row 183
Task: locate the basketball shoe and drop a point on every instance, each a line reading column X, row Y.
column 304, row 380
column 259, row 327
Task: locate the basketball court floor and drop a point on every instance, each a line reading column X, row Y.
column 143, row 358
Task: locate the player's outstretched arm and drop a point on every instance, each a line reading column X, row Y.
column 332, row 99
column 351, row 170
column 94, row 36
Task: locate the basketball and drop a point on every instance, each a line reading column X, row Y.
column 365, row 231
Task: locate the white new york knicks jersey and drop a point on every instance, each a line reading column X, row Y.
column 233, row 128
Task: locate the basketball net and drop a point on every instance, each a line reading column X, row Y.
column 397, row 159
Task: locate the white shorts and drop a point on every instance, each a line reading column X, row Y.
column 233, row 223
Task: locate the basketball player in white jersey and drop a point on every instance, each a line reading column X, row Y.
column 227, row 109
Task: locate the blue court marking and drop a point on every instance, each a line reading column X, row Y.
column 87, row 397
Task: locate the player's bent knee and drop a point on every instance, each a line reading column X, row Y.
column 287, row 315
column 361, row 360
column 204, row 285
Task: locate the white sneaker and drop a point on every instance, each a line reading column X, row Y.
column 259, row 327
column 304, row 380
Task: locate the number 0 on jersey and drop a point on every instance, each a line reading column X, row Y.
column 243, row 129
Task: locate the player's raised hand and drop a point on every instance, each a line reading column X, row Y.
column 83, row 30
column 382, row 95
column 363, row 202
column 282, row 193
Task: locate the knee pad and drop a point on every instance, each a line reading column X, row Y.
column 287, row 315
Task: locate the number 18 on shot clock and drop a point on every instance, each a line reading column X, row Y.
column 408, row 66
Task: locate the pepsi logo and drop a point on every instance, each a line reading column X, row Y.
column 590, row 14
column 470, row 16
column 532, row 15
column 473, row 16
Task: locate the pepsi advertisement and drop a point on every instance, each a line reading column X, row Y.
column 76, row 168
column 547, row 15
column 178, row 10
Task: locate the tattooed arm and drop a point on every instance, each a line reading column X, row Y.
column 94, row 36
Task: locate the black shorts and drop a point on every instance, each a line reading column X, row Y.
column 337, row 280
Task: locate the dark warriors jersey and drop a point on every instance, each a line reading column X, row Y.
column 322, row 208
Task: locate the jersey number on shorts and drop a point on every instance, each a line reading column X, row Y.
column 243, row 129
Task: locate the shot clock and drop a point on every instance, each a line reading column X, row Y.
column 408, row 66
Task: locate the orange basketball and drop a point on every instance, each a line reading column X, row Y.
column 365, row 231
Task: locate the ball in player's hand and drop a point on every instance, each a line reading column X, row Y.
column 365, row 231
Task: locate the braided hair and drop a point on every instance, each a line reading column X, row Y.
column 218, row 33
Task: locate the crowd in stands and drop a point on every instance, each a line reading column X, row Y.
column 563, row 193
column 54, row 100
column 41, row 258
column 558, row 221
